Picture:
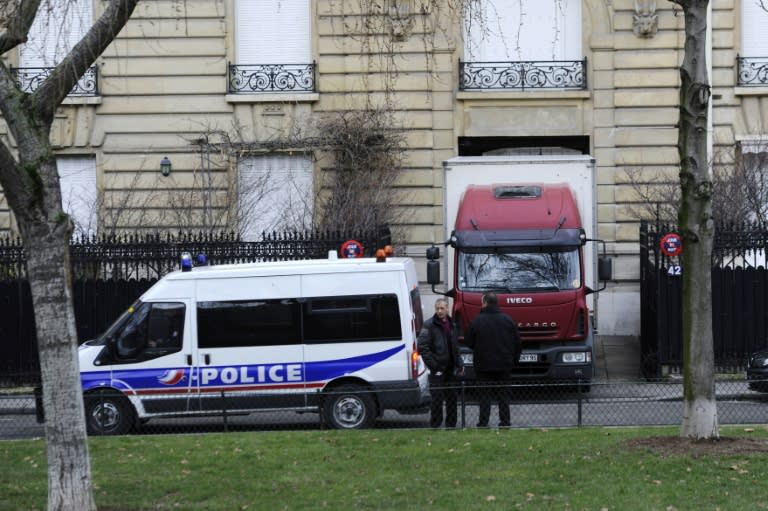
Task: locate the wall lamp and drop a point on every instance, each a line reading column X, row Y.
column 165, row 166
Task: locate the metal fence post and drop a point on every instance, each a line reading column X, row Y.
column 579, row 405
column 39, row 411
column 224, row 407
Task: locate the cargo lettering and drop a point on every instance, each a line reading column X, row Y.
column 240, row 375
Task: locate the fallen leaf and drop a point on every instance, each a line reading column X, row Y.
column 490, row 498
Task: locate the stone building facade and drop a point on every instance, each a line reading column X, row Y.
column 184, row 71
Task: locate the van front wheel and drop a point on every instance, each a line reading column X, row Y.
column 108, row 413
column 349, row 407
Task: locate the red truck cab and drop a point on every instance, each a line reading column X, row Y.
column 525, row 243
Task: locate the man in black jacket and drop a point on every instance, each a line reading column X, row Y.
column 495, row 341
column 440, row 351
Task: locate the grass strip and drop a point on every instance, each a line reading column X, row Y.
column 598, row 469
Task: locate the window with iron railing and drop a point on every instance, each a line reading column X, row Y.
column 276, row 58
column 523, row 45
column 753, row 71
column 752, row 61
column 57, row 27
column 28, row 79
column 250, row 78
column 528, row 75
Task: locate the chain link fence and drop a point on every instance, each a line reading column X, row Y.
column 627, row 403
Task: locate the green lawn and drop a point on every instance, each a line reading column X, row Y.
column 569, row 469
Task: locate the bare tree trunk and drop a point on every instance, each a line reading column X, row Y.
column 30, row 182
column 69, row 471
column 697, row 226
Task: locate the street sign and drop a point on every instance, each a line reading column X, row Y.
column 351, row 249
column 671, row 244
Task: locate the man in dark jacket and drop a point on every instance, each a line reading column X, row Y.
column 440, row 351
column 495, row 341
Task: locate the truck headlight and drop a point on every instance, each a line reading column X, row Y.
column 577, row 357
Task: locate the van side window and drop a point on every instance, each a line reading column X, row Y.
column 248, row 323
column 151, row 331
column 351, row 318
column 166, row 328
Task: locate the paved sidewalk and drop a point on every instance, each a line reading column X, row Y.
column 617, row 358
column 17, row 404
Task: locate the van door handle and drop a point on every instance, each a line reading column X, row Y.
column 189, row 360
column 207, row 358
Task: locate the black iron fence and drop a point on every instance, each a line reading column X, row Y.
column 28, row 79
column 624, row 403
column 752, row 71
column 523, row 75
column 739, row 298
column 110, row 273
column 250, row 78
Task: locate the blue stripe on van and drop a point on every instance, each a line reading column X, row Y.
column 171, row 378
column 330, row 369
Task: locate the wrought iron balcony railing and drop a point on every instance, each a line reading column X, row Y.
column 753, row 71
column 246, row 78
column 523, row 75
column 28, row 79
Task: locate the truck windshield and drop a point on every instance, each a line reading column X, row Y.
column 519, row 271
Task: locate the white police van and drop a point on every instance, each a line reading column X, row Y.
column 335, row 336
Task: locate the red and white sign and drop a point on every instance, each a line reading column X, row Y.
column 671, row 244
column 351, row 249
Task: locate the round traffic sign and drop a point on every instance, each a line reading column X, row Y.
column 671, row 244
column 351, row 249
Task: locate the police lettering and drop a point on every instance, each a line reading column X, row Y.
column 277, row 373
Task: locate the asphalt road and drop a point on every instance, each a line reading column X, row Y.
column 607, row 404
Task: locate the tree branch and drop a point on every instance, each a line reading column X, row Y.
column 20, row 17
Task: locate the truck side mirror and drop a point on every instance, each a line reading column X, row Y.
column 433, row 253
column 604, row 268
column 433, row 271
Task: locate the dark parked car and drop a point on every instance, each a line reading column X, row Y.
column 757, row 371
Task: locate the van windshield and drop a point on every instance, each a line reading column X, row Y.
column 519, row 271
column 147, row 330
column 119, row 322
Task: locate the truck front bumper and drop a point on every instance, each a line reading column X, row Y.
column 548, row 365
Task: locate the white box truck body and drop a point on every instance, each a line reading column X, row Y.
column 519, row 226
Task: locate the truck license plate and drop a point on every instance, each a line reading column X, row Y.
column 466, row 359
column 529, row 357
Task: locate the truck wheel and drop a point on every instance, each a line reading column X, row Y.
column 108, row 413
column 349, row 407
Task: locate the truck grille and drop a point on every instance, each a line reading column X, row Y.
column 534, row 333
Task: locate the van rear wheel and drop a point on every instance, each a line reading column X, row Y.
column 108, row 413
column 349, row 407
